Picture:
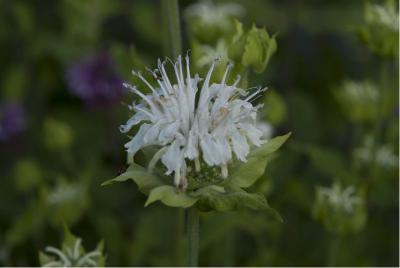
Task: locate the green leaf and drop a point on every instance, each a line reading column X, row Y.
column 100, row 260
column 170, row 197
column 69, row 239
column 144, row 180
column 233, row 199
column 244, row 175
column 44, row 258
column 259, row 49
column 207, row 190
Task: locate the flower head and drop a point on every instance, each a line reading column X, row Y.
column 72, row 254
column 341, row 199
column 217, row 15
column 208, row 22
column 340, row 209
column 12, row 120
column 95, row 80
column 207, row 124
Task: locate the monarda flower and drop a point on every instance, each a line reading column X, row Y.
column 95, row 80
column 12, row 120
column 212, row 130
column 201, row 130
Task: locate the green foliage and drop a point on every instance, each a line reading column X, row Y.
column 253, row 48
column 381, row 30
column 226, row 195
column 170, row 196
column 245, row 175
column 258, row 49
column 58, row 135
column 336, row 134
column 248, row 50
column 27, row 175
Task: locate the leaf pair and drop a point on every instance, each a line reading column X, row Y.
column 229, row 195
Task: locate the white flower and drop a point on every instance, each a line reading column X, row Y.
column 339, row 198
column 212, row 14
column 212, row 123
column 382, row 155
column 72, row 257
column 385, row 15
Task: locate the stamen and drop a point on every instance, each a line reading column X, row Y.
column 259, row 90
column 134, row 90
column 138, row 74
column 237, row 80
column 197, row 164
column 157, row 156
column 230, row 65
column 224, row 171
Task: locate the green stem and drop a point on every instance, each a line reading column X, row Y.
column 180, row 236
column 193, row 237
column 173, row 46
column 229, row 249
column 334, row 245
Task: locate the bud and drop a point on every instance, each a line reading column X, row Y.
column 27, row 175
column 58, row 135
column 253, row 48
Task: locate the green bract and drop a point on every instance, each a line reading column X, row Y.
column 253, row 48
column 212, row 192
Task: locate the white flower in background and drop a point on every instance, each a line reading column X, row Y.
column 385, row 15
column 360, row 92
column 212, row 14
column 205, row 124
column 341, row 198
column 72, row 256
column 382, row 155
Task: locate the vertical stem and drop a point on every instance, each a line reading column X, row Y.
column 229, row 249
column 173, row 47
column 193, row 237
column 180, row 238
column 171, row 19
column 334, row 245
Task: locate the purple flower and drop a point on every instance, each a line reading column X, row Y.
column 12, row 120
column 95, row 80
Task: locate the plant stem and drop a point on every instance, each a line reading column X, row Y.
column 173, row 47
column 171, row 19
column 334, row 245
column 192, row 237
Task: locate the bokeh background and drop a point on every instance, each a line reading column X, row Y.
column 333, row 83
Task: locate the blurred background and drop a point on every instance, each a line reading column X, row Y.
column 333, row 83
